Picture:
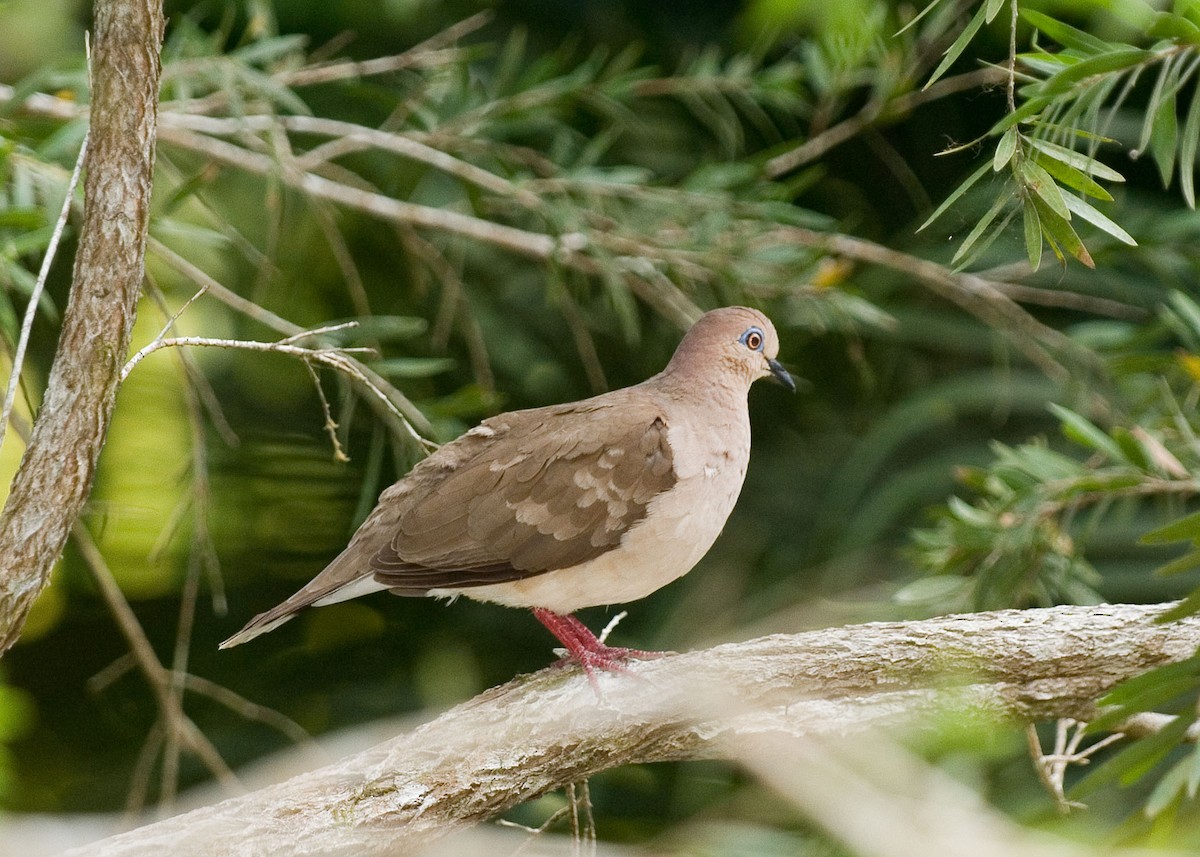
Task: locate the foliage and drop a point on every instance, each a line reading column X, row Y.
column 497, row 217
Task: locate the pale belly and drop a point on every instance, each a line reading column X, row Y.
column 679, row 528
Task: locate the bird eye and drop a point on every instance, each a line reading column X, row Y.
column 753, row 339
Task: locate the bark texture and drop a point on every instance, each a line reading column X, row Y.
column 542, row 731
column 57, row 470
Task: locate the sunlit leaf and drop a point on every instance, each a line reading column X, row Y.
column 1094, row 217
column 1074, row 159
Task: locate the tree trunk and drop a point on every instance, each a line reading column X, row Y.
column 56, row 472
column 543, row 731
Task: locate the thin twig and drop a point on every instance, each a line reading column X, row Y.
column 977, row 295
column 335, row 358
column 35, row 296
column 1010, row 86
column 331, row 426
column 243, row 707
column 519, row 241
column 328, row 356
column 350, row 137
column 390, row 400
column 875, row 113
column 1052, row 767
column 148, row 663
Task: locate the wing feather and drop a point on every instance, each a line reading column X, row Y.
column 546, row 489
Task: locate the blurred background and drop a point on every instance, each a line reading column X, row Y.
column 653, row 130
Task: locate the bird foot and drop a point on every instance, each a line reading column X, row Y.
column 584, row 648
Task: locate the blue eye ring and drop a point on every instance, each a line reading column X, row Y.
column 753, row 338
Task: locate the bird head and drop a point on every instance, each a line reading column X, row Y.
column 738, row 338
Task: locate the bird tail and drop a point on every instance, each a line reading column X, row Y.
column 310, row 595
column 260, row 624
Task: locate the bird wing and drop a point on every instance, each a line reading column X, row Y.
column 546, row 489
column 521, row 494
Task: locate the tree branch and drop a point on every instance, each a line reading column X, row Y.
column 56, row 472
column 542, row 731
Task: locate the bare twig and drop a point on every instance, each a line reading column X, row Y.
column 35, row 296
column 333, row 357
column 350, row 137
column 249, row 710
column 519, row 241
column 979, row 296
column 1052, row 767
column 873, row 114
column 157, row 676
column 387, row 400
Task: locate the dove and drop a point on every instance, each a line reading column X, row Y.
column 558, row 508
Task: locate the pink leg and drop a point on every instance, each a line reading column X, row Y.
column 583, row 647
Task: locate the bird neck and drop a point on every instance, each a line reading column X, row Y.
column 684, row 381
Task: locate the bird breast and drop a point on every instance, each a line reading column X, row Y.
column 679, row 527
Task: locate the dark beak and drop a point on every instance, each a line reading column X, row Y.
column 781, row 375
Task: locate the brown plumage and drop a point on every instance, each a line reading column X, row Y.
column 568, row 506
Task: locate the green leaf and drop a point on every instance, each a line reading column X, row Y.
column 1135, row 452
column 1184, row 608
column 1033, row 235
column 968, row 514
column 1187, row 149
column 1061, row 233
column 1137, row 759
column 379, row 328
column 1164, row 136
column 954, row 197
column 1083, row 432
column 929, row 8
column 938, row 589
column 984, row 222
column 1170, row 786
column 1179, row 565
column 993, row 8
column 1094, row 217
column 1129, row 694
column 413, row 367
column 1168, row 26
column 1005, row 149
column 1041, row 183
column 1186, row 528
column 960, row 44
column 1029, row 109
column 1074, row 159
column 1072, row 177
column 1187, row 308
column 1065, row 34
column 267, row 50
column 1106, row 63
